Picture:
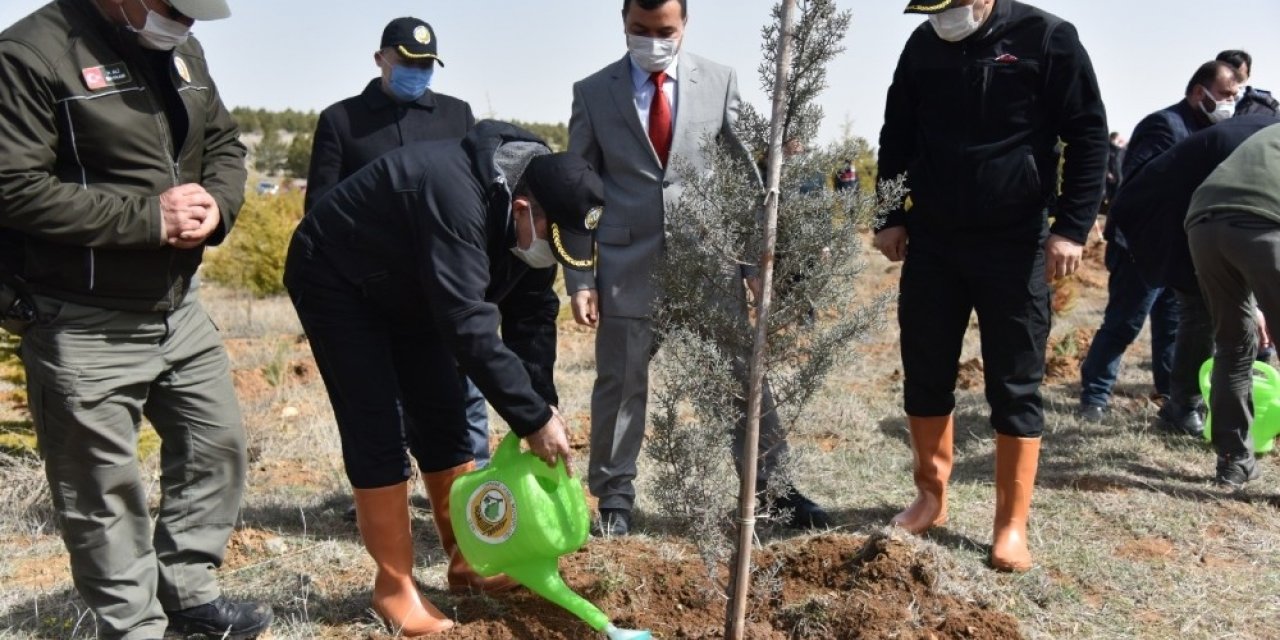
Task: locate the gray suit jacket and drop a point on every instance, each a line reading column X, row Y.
column 606, row 130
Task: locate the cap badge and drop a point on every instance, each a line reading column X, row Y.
column 593, row 218
column 421, row 34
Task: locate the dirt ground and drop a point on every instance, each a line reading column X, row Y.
column 1129, row 539
column 830, row 586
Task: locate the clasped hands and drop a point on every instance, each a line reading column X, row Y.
column 190, row 215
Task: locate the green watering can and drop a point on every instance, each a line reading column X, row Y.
column 1266, row 404
column 518, row 516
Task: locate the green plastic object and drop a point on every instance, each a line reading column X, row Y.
column 1266, row 404
column 518, row 516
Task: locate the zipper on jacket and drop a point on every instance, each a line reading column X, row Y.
column 166, row 142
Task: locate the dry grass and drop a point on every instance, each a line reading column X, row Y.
column 1130, row 537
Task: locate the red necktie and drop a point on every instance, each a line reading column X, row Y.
column 660, row 119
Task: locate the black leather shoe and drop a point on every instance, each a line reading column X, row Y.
column 221, row 619
column 1177, row 419
column 612, row 522
column 1234, row 472
column 1092, row 413
column 800, row 512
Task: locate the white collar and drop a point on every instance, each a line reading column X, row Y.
column 639, row 76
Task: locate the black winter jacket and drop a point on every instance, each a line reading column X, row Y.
column 975, row 125
column 355, row 131
column 427, row 227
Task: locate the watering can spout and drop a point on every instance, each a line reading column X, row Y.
column 542, row 577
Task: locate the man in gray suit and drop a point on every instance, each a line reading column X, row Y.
column 630, row 119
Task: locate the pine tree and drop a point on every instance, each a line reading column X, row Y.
column 816, row 313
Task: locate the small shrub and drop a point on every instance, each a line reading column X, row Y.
column 252, row 258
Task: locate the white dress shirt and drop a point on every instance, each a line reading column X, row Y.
column 643, row 84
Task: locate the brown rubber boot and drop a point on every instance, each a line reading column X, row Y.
column 383, row 517
column 1016, row 463
column 931, row 441
column 462, row 578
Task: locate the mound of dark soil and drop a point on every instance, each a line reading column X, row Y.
column 833, row 587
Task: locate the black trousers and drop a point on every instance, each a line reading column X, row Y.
column 944, row 279
column 393, row 384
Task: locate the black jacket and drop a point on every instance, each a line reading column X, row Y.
column 1115, row 168
column 427, row 227
column 1256, row 100
column 1154, row 135
column 1158, row 132
column 974, row 125
column 88, row 122
column 355, row 131
column 1151, row 207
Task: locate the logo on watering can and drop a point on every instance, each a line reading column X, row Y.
column 491, row 514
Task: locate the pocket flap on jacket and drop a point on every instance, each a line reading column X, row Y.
column 613, row 235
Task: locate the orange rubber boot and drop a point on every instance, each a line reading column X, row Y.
column 462, row 578
column 383, row 517
column 1016, row 462
column 931, row 441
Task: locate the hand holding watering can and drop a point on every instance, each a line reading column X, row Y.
column 518, row 516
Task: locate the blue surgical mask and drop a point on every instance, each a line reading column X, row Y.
column 409, row 83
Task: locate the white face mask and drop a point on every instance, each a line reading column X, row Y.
column 1222, row 110
column 652, row 54
column 538, row 255
column 955, row 24
column 159, row 32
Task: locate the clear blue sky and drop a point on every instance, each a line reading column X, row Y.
column 519, row 59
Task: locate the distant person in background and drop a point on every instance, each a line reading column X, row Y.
column 1251, row 99
column 119, row 164
column 846, row 177
column 395, row 109
column 1209, row 97
column 1233, row 226
column 982, row 164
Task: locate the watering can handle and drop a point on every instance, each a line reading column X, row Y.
column 509, row 450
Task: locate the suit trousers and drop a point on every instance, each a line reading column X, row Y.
column 944, row 280
column 619, row 404
column 1193, row 346
column 92, row 374
column 1235, row 254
